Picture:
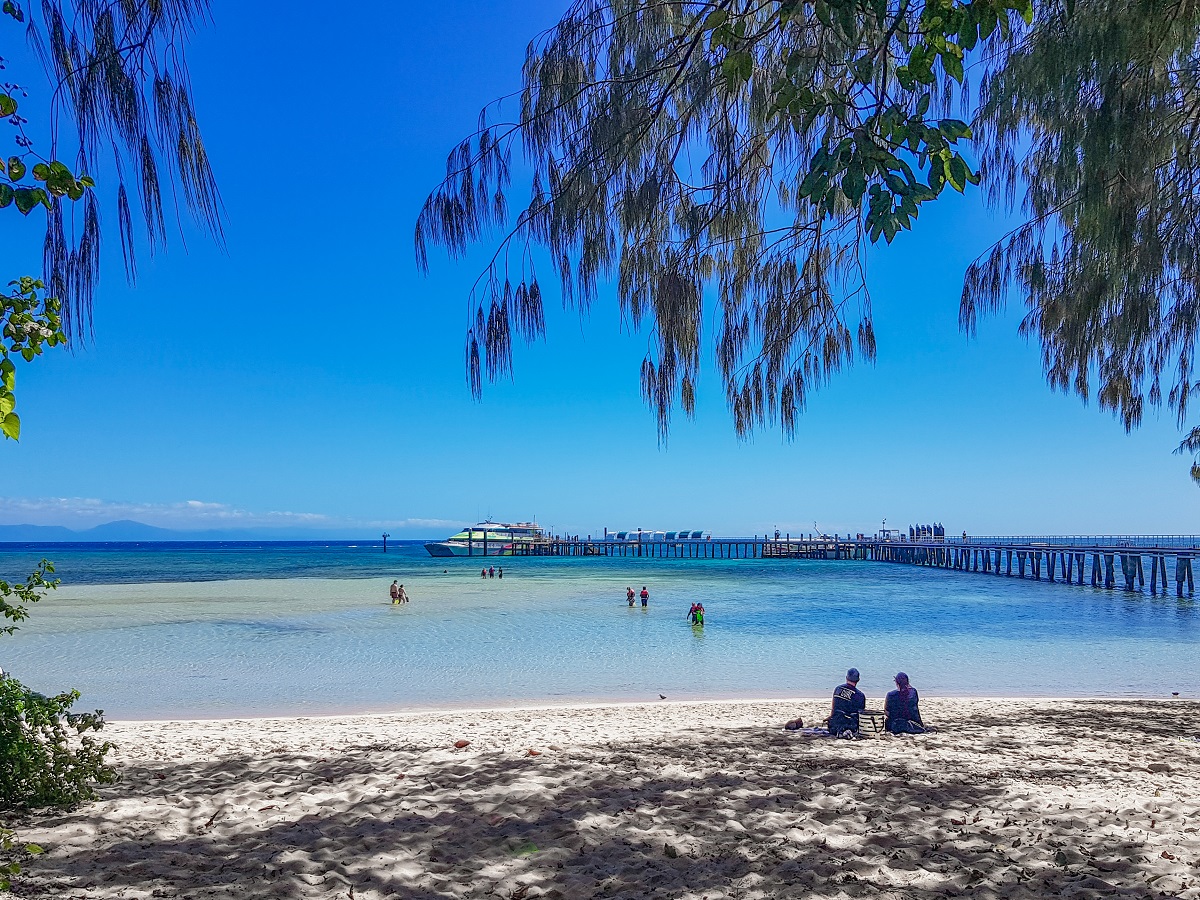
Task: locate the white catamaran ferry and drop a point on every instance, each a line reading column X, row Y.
column 486, row 539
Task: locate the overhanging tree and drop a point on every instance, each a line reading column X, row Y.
column 115, row 110
column 755, row 148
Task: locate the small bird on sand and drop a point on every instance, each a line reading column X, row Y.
column 662, row 696
column 1174, row 693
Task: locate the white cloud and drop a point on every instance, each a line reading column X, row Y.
column 87, row 512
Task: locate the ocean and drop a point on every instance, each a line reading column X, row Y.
column 223, row 630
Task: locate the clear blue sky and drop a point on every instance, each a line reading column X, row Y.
column 309, row 375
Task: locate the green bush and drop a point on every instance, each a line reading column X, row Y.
column 48, row 754
column 8, row 850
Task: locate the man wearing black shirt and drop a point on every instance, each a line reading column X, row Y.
column 848, row 701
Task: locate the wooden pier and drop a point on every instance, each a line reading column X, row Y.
column 1097, row 562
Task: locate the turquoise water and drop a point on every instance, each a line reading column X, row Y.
column 179, row 631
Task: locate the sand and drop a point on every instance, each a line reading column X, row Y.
column 1010, row 799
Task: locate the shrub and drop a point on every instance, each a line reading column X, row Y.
column 8, row 850
column 48, row 756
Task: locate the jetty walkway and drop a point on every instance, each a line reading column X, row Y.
column 1105, row 561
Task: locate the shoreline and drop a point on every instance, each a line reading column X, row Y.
column 1013, row 799
column 521, row 706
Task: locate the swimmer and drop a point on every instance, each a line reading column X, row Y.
column 645, row 595
column 401, row 596
column 395, row 593
column 483, row 573
column 629, row 596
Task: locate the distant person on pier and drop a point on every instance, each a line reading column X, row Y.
column 900, row 709
column 645, row 595
column 395, row 592
column 629, row 596
column 848, row 702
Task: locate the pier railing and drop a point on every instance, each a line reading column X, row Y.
column 1143, row 541
column 1103, row 561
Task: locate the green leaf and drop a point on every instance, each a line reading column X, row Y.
column 34, row 849
column 953, row 66
column 8, row 105
column 6, row 195
column 954, row 129
column 8, row 374
column 854, row 183
column 715, row 19
column 738, row 66
column 10, row 8
column 10, row 425
column 7, row 403
column 16, row 168
column 958, row 173
column 41, row 171
column 28, row 198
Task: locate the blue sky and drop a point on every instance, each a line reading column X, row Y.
column 307, row 375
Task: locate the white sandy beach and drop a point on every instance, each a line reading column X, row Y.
column 1010, row 799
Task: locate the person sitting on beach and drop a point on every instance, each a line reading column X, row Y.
column 401, row 596
column 629, row 595
column 901, row 715
column 848, row 702
column 395, row 592
column 645, row 595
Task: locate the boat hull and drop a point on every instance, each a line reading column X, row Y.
column 454, row 548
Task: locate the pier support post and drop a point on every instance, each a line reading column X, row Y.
column 1179, row 566
column 1110, row 579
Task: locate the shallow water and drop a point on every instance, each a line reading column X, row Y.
column 155, row 632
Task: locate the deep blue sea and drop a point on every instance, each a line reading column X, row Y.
column 212, row 630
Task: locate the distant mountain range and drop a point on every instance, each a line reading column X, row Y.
column 128, row 530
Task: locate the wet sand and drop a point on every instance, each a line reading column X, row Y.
column 1009, row 799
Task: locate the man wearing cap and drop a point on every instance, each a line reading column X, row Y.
column 848, row 702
